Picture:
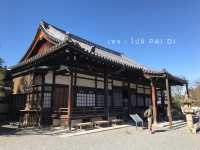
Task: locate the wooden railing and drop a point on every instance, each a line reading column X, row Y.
column 29, row 118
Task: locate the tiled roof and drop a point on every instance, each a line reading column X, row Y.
column 64, row 38
column 60, row 36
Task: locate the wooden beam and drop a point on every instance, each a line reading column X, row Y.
column 169, row 102
column 154, row 101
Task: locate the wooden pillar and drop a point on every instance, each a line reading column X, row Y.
column 154, row 101
column 112, row 96
column 74, row 89
column 168, row 94
column 187, row 90
column 53, row 88
column 162, row 103
column 136, row 95
column 70, row 98
column 106, row 95
column 95, row 90
column 42, row 100
column 129, row 98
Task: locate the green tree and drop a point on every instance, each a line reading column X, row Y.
column 1, row 62
column 195, row 93
column 2, row 78
column 177, row 98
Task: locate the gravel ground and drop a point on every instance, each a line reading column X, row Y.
column 119, row 139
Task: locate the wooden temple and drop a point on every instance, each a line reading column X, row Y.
column 64, row 79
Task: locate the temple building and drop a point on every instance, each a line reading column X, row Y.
column 64, row 79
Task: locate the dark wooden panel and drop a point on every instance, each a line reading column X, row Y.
column 60, row 97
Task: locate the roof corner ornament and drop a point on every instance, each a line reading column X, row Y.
column 68, row 38
column 92, row 50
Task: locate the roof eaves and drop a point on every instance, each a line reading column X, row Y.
column 34, row 58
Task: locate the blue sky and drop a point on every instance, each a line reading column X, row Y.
column 108, row 22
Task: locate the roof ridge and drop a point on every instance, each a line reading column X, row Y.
column 46, row 25
column 94, row 44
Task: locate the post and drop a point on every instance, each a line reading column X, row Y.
column 106, row 95
column 42, row 100
column 187, row 90
column 53, row 89
column 95, row 90
column 129, row 98
column 70, row 98
column 154, row 101
column 169, row 102
column 162, row 103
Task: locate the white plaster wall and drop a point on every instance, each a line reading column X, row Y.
column 147, row 91
column 59, row 79
column 132, row 86
column 140, row 90
column 110, row 86
column 49, row 77
column 140, row 85
column 100, row 78
column 85, row 82
column 146, row 86
column 117, row 83
column 100, row 84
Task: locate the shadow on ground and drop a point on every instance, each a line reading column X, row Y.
column 10, row 130
column 13, row 130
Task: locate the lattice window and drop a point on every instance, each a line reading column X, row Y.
column 85, row 98
column 91, row 99
column 81, row 99
column 47, row 100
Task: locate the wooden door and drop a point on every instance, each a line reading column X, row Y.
column 60, row 97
